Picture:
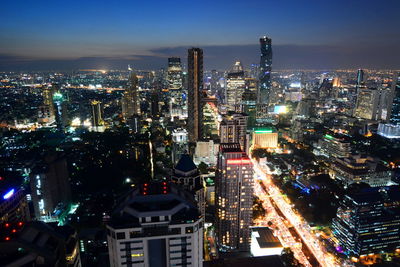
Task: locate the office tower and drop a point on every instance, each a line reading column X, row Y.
column 50, row 188
column 207, row 152
column 214, row 82
column 157, row 224
column 59, row 107
column 249, row 100
column 395, row 110
column 360, row 77
column 130, row 100
column 265, row 138
column 179, row 144
column 234, row 198
column 13, row 202
column 367, row 104
column 233, row 129
column 97, row 113
column 360, row 169
column 38, row 244
column 265, row 71
column 174, row 79
column 195, row 88
column 368, row 222
column 235, row 87
column 187, row 175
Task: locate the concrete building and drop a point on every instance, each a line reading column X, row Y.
column 368, row 222
column 13, row 201
column 38, row 244
column 265, row 138
column 233, row 129
column 234, row 198
column 207, row 152
column 157, row 224
column 361, row 169
column 195, row 91
column 264, row 242
column 333, row 146
column 130, row 100
column 179, row 144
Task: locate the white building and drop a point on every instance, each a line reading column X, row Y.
column 158, row 224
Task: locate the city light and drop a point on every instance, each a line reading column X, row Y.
column 8, row 194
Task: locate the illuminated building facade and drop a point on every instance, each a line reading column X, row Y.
column 360, row 169
column 367, row 104
column 368, row 222
column 13, row 202
column 395, row 110
column 188, row 176
column 389, row 130
column 334, row 146
column 234, row 198
column 60, row 108
column 50, row 188
column 195, row 90
column 179, row 144
column 265, row 71
column 174, row 79
column 97, row 113
column 130, row 100
column 235, row 87
column 157, row 224
column 265, row 138
column 233, row 129
column 207, row 152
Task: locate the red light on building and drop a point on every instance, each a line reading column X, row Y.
column 14, row 231
column 7, row 225
column 7, row 238
column 165, row 192
column 144, row 193
column 239, row 161
column 20, row 223
column 145, row 185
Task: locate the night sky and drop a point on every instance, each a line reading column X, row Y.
column 66, row 35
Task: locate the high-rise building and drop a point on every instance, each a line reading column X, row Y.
column 233, row 129
column 130, row 100
column 157, row 224
column 179, row 144
column 187, row 175
column 360, row 77
column 50, row 188
column 174, row 79
column 265, row 71
column 234, row 198
column 367, row 104
column 195, row 90
column 334, row 146
column 60, row 110
column 97, row 113
column 235, row 87
column 368, row 222
column 13, row 201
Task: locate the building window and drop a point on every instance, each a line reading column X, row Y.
column 121, row 235
column 189, row 230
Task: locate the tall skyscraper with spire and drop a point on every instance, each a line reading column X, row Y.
column 130, row 100
column 195, row 90
column 265, row 71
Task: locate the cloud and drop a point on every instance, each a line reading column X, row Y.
column 222, row 57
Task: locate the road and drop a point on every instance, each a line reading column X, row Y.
column 324, row 258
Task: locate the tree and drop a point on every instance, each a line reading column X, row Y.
column 203, row 168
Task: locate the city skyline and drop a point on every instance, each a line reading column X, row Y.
column 68, row 36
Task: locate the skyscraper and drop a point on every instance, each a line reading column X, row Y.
column 234, row 197
column 195, row 88
column 367, row 104
column 60, row 109
column 130, row 100
column 97, row 113
column 174, row 78
column 233, row 129
column 368, row 222
column 265, row 71
column 360, row 77
column 157, row 224
column 235, row 87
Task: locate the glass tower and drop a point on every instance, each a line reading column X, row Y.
column 265, row 71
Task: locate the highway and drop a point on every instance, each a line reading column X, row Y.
column 302, row 228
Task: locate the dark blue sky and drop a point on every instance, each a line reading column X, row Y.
column 306, row 34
